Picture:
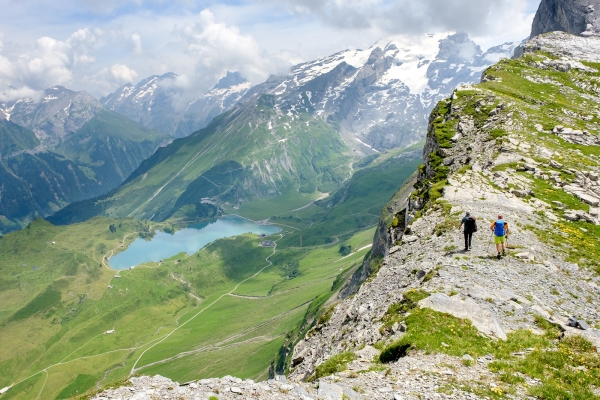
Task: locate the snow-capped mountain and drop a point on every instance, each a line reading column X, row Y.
column 57, row 114
column 382, row 96
column 154, row 103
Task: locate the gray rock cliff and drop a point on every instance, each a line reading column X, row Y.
column 578, row 17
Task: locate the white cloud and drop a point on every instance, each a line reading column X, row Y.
column 12, row 94
column 50, row 62
column 136, row 40
column 482, row 18
column 108, row 79
column 255, row 37
column 122, row 73
column 219, row 48
column 83, row 42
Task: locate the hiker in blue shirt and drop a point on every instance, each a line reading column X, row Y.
column 501, row 231
column 470, row 224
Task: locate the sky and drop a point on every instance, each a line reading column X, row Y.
column 99, row 45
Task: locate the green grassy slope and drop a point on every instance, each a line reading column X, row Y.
column 280, row 154
column 56, row 304
column 110, row 147
column 89, row 163
column 15, row 138
column 358, row 204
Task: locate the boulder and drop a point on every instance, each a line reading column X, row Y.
column 521, row 193
column 484, row 320
column 551, row 216
column 538, row 310
column 330, row 391
column 571, row 215
column 555, row 164
column 349, row 393
column 591, row 200
column 410, row 239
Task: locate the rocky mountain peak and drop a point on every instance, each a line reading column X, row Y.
column 382, row 95
column 458, row 47
column 230, row 80
column 155, row 104
column 577, row 17
column 58, row 113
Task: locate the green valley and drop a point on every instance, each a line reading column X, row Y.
column 234, row 307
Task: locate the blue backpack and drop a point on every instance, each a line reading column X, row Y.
column 499, row 229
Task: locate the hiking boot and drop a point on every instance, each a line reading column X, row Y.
column 503, row 253
column 498, row 256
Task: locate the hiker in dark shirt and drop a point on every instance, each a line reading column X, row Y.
column 470, row 224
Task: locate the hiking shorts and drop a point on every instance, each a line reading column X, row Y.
column 499, row 239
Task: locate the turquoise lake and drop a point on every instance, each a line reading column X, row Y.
column 188, row 240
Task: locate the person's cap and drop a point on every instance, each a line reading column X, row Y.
column 468, row 213
column 500, row 216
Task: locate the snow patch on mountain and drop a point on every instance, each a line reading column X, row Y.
column 382, row 95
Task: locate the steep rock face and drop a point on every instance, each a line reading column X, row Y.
column 577, row 17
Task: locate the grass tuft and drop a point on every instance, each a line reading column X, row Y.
column 337, row 363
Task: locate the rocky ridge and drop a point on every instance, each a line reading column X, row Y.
column 512, row 146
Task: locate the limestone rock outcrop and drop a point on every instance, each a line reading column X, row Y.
column 577, row 17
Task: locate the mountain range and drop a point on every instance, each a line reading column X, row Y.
column 372, row 100
column 405, row 75
column 62, row 148
column 157, row 103
column 298, row 133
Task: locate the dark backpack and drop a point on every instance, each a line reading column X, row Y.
column 471, row 225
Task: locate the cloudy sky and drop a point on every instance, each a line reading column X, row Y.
column 98, row 45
